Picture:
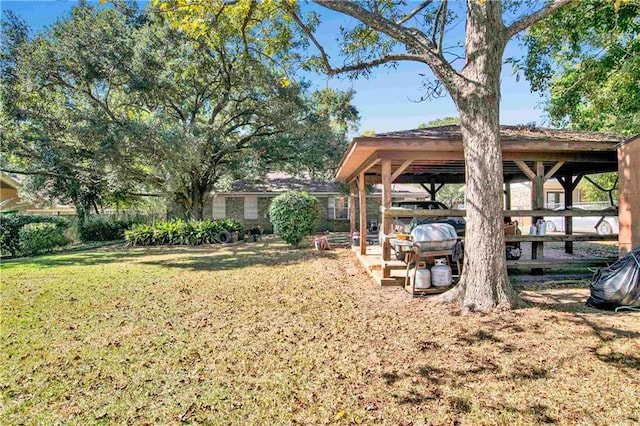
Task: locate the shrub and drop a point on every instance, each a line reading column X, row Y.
column 11, row 224
column 231, row 225
column 39, row 237
column 101, row 229
column 294, row 215
column 178, row 231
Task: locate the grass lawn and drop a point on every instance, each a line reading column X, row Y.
column 261, row 334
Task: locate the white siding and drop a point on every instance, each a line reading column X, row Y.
column 219, row 210
column 250, row 207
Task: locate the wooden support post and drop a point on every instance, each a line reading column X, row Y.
column 537, row 202
column 432, row 189
column 353, row 193
column 507, row 195
column 387, row 222
column 569, row 184
column 568, row 221
column 386, row 194
column 363, row 214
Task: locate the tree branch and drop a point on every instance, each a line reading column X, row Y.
column 36, row 173
column 376, row 62
column 443, row 23
column 527, row 21
column 414, row 12
column 412, row 38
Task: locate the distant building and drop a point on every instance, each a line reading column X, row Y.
column 249, row 202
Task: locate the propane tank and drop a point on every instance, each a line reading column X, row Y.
column 441, row 273
column 422, row 280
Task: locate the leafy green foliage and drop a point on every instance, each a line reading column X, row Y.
column 181, row 232
column 106, row 105
column 231, row 225
column 446, row 121
column 294, row 215
column 66, row 128
column 11, row 224
column 587, row 56
column 451, row 194
column 104, row 229
column 40, row 237
column 606, row 181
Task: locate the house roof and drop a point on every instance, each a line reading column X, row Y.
column 282, row 182
column 8, row 181
column 436, row 154
column 277, row 182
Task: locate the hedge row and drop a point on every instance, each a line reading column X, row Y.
column 40, row 237
column 11, row 224
column 101, row 229
column 181, row 232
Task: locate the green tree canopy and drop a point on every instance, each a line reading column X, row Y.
column 446, row 121
column 134, row 101
column 586, row 58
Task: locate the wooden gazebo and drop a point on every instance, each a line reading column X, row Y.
column 434, row 156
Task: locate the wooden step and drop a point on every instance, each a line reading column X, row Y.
column 392, row 282
column 395, row 265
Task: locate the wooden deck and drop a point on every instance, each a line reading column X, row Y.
column 373, row 264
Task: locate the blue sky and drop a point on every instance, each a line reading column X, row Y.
column 385, row 100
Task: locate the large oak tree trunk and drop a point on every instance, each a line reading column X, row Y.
column 484, row 285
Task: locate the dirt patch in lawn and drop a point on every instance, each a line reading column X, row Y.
column 262, row 334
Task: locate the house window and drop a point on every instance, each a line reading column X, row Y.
column 250, row 207
column 555, row 199
column 219, row 210
column 338, row 208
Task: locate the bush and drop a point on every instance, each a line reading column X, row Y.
column 294, row 215
column 232, row 225
column 39, row 237
column 180, row 232
column 101, row 229
column 11, row 224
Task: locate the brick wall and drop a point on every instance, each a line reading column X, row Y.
column 234, row 208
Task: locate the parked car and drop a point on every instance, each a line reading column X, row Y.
column 606, row 224
column 406, row 224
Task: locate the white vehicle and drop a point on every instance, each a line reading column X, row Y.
column 406, row 224
column 606, row 224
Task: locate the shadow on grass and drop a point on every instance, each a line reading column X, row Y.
column 215, row 257
column 573, row 303
column 239, row 258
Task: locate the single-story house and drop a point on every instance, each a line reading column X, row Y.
column 249, row 202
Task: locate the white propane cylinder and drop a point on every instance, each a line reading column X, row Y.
column 441, row 273
column 422, row 280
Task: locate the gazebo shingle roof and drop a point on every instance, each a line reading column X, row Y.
column 436, row 154
column 507, row 133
